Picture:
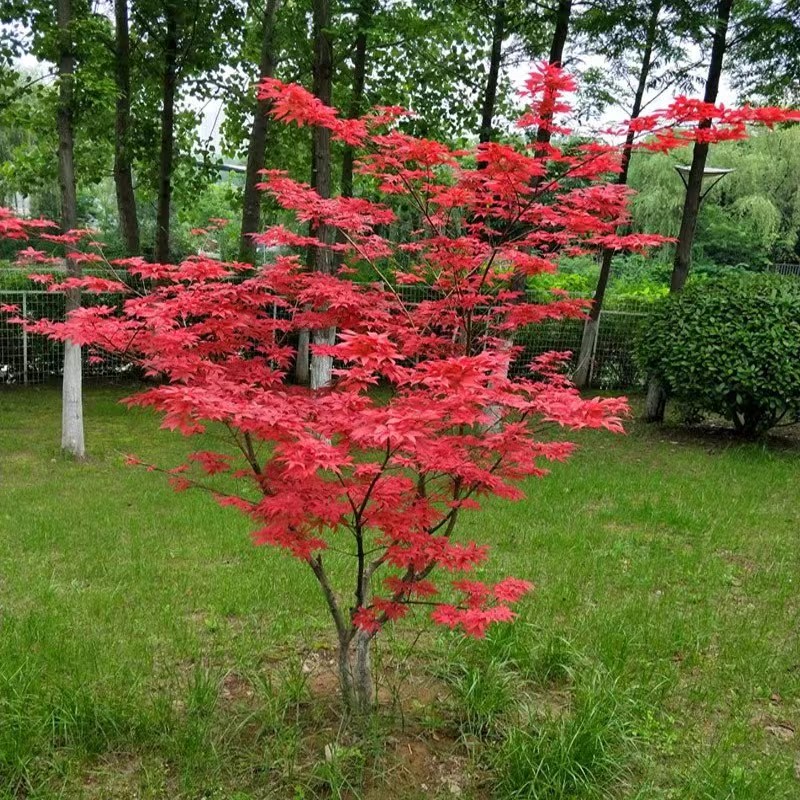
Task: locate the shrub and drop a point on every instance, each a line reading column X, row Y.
column 730, row 346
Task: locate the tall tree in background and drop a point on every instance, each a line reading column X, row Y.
column 321, row 169
column 366, row 10
column 563, row 13
column 517, row 32
column 763, row 60
column 499, row 26
column 123, row 172
column 625, row 26
column 256, row 151
column 72, row 439
column 167, row 148
column 182, row 49
column 656, row 396
column 321, row 258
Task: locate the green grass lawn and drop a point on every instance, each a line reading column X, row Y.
column 148, row 650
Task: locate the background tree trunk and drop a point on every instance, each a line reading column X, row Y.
column 72, row 440
column 123, row 174
column 691, row 206
column 366, row 9
column 519, row 281
column 257, row 149
column 169, row 85
column 656, row 393
column 583, row 371
column 321, row 257
column 495, row 59
column 557, row 44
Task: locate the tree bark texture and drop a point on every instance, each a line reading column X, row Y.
column 123, row 172
column 354, row 645
column 493, row 77
column 691, row 206
column 72, row 439
column 366, row 9
column 167, row 151
column 257, row 148
column 355, row 673
column 321, row 258
column 557, row 44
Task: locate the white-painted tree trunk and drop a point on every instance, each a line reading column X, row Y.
column 72, row 403
column 495, row 412
column 301, row 365
column 322, row 366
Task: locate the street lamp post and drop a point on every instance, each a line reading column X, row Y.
column 697, row 188
column 698, row 184
column 711, row 177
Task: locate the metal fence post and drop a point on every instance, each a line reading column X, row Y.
column 25, row 340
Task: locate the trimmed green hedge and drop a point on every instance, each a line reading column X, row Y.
column 730, row 346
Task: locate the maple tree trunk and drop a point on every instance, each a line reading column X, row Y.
column 72, row 439
column 170, row 80
column 354, row 645
column 321, row 257
column 355, row 674
column 582, row 375
column 123, row 173
column 656, row 394
column 257, row 148
column 490, row 93
column 366, row 9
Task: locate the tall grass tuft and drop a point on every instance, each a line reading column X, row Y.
column 572, row 756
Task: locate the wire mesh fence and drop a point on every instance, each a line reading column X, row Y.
column 26, row 358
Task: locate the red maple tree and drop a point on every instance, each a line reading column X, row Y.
column 420, row 420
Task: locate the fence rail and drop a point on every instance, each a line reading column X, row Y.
column 786, row 269
column 30, row 359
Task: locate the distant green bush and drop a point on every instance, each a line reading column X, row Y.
column 633, row 278
column 730, row 346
